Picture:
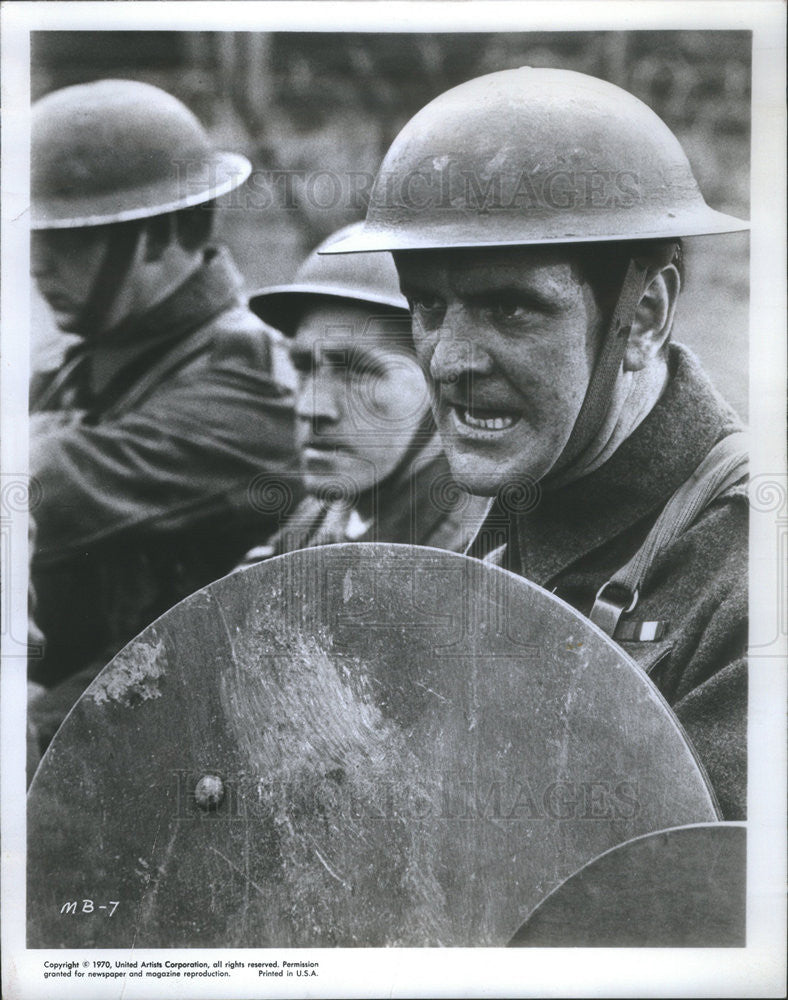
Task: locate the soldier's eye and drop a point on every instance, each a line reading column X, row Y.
column 426, row 308
column 427, row 302
column 508, row 309
column 365, row 364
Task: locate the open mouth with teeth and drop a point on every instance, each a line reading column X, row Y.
column 486, row 420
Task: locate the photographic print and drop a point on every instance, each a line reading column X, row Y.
column 393, row 500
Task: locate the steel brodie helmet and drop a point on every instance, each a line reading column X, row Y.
column 368, row 278
column 533, row 156
column 116, row 150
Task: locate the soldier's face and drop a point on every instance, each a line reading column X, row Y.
column 65, row 263
column 360, row 397
column 507, row 337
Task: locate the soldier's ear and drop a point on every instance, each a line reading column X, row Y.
column 653, row 319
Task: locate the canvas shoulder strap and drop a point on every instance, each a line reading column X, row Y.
column 723, row 466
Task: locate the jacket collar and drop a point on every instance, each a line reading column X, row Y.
column 636, row 482
column 211, row 289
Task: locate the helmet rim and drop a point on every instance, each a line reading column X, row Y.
column 372, row 283
column 228, row 171
column 377, row 239
column 275, row 301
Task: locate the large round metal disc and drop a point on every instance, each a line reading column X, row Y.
column 684, row 887
column 350, row 745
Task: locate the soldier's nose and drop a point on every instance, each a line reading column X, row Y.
column 317, row 400
column 457, row 357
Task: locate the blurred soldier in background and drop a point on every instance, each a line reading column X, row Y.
column 175, row 396
column 536, row 217
column 370, row 455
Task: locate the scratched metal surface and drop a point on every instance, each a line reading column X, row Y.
column 677, row 888
column 415, row 748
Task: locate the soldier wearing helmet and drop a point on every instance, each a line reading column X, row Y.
column 369, row 452
column 175, row 395
column 536, row 218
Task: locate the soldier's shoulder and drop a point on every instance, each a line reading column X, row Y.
column 727, row 516
column 713, row 551
column 237, row 331
column 242, row 340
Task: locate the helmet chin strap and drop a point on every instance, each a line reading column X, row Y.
column 112, row 272
column 603, row 378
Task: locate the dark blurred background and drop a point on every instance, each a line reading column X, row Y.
column 316, row 112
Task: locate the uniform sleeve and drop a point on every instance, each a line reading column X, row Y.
column 714, row 715
column 194, row 441
column 706, row 681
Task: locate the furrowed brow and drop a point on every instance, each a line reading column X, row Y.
column 354, row 357
column 515, row 293
column 413, row 291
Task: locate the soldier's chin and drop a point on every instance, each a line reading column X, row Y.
column 67, row 322
column 475, row 481
column 320, row 483
column 486, row 479
column 329, row 471
column 341, row 485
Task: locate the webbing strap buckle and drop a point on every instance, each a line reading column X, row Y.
column 611, row 602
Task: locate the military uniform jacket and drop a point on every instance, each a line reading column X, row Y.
column 148, row 449
column 575, row 538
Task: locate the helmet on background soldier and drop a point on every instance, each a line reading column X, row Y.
column 116, row 150
column 112, row 160
column 367, row 278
